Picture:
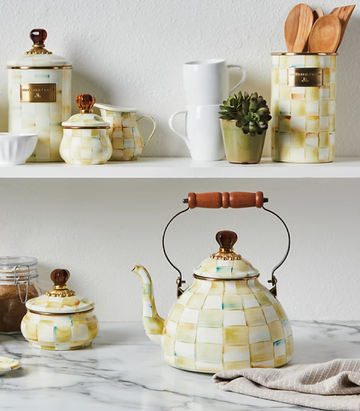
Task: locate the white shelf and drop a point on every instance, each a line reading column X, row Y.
column 169, row 167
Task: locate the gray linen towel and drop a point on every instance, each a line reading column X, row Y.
column 333, row 385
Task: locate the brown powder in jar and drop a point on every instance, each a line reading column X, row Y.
column 12, row 310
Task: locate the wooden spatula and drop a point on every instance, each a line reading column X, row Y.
column 317, row 13
column 325, row 34
column 343, row 13
column 297, row 28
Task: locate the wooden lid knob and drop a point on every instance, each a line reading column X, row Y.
column 85, row 102
column 38, row 36
column 60, row 277
column 226, row 239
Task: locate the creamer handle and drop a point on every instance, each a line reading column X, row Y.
column 154, row 128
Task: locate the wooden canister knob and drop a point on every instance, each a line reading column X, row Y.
column 60, row 277
column 85, row 102
column 38, row 36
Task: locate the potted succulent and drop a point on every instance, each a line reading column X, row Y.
column 244, row 120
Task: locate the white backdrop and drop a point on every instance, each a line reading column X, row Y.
column 98, row 229
column 131, row 53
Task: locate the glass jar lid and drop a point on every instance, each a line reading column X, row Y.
column 59, row 300
column 225, row 264
column 19, row 267
column 86, row 119
column 38, row 56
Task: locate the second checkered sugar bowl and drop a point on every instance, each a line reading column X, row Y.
column 60, row 319
column 226, row 319
column 86, row 137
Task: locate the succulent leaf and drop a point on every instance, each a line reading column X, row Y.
column 250, row 112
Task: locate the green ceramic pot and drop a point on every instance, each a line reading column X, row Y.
column 239, row 147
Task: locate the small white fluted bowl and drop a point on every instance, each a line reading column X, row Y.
column 15, row 148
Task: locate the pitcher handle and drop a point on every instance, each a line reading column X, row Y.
column 153, row 131
column 183, row 136
column 243, row 78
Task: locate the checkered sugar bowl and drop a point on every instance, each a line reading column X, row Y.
column 303, row 87
column 86, row 137
column 60, row 319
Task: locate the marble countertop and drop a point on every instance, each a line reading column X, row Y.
column 123, row 370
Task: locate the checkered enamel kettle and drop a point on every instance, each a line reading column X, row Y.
column 226, row 319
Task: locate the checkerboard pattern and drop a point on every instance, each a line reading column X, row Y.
column 60, row 332
column 86, row 146
column 225, row 269
column 43, row 119
column 59, row 305
column 303, row 125
column 224, row 325
column 124, row 134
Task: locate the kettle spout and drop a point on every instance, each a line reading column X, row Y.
column 153, row 323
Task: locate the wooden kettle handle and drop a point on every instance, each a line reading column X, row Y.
column 236, row 199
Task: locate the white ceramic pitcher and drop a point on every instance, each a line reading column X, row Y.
column 207, row 81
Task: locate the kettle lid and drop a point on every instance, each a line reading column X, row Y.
column 226, row 264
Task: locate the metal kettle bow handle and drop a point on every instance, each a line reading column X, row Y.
column 225, row 200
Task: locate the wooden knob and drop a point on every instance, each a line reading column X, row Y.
column 85, row 102
column 236, row 199
column 38, row 36
column 226, row 239
column 60, row 277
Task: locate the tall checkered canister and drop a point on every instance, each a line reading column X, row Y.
column 39, row 95
column 303, row 88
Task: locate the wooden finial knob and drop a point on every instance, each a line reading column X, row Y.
column 60, row 277
column 226, row 239
column 85, row 102
column 38, row 36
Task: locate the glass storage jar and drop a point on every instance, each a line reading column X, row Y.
column 18, row 284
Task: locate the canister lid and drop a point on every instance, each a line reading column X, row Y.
column 38, row 56
column 86, row 118
column 226, row 264
column 59, row 300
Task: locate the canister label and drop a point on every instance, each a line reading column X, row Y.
column 305, row 77
column 38, row 93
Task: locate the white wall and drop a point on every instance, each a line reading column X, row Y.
column 131, row 53
column 98, row 229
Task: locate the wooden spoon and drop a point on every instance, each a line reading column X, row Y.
column 325, row 35
column 343, row 13
column 317, row 14
column 297, row 28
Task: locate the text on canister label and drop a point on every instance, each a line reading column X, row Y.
column 38, row 93
column 305, row 77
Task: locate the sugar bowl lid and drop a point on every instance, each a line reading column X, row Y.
column 225, row 264
column 86, row 118
column 60, row 300
column 39, row 56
